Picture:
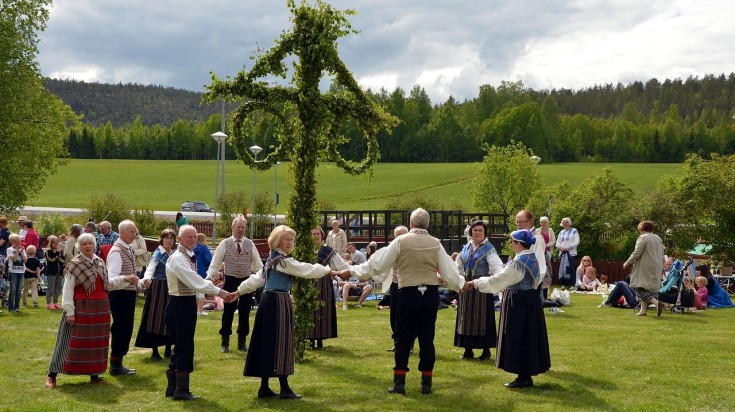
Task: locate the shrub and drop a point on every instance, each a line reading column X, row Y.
column 109, row 207
column 51, row 224
column 148, row 224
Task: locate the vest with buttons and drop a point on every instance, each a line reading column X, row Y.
column 238, row 265
column 128, row 261
column 183, row 288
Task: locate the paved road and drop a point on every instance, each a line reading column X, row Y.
column 161, row 214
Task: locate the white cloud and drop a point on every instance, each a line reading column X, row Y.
column 449, row 48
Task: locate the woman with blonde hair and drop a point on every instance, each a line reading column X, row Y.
column 271, row 351
column 584, row 263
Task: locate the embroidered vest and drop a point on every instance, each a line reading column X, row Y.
column 527, row 264
column 128, row 261
column 275, row 280
column 159, row 273
column 238, row 265
column 183, row 289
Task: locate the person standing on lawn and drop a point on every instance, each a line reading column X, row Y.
column 183, row 283
column 241, row 259
column 84, row 333
column 647, row 260
column 523, row 344
column 418, row 256
column 121, row 262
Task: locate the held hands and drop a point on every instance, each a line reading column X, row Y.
column 132, row 279
column 229, row 297
column 468, row 286
column 71, row 320
column 345, row 274
column 146, row 283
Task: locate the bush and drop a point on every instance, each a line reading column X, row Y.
column 229, row 205
column 148, row 224
column 51, row 224
column 110, row 208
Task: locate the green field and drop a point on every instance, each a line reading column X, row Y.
column 602, row 359
column 164, row 185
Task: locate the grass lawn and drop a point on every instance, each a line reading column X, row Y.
column 165, row 185
column 602, row 359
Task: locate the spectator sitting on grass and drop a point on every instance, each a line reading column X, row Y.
column 589, row 280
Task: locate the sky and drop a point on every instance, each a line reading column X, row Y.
column 448, row 47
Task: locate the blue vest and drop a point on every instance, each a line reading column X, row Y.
column 160, row 272
column 475, row 264
column 528, row 265
column 275, row 280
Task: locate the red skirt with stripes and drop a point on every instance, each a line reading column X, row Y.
column 89, row 338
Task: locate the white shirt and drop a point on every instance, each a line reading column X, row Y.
column 380, row 263
column 506, row 277
column 219, row 257
column 178, row 269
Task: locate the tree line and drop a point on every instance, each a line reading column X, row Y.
column 639, row 122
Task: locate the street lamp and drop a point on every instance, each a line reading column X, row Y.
column 220, row 138
column 275, row 195
column 254, row 150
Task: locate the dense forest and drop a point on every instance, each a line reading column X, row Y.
column 640, row 122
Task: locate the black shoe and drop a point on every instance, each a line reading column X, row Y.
column 225, row 348
column 288, row 395
column 519, row 383
column 182, row 392
column 241, row 346
column 121, row 370
column 485, row 355
column 156, row 356
column 468, row 354
column 264, row 394
column 426, row 385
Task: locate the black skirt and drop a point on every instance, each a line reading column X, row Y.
column 271, row 350
column 523, row 345
column 153, row 332
column 325, row 318
column 475, row 326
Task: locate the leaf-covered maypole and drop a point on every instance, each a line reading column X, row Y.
column 308, row 122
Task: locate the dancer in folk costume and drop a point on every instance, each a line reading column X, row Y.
column 84, row 333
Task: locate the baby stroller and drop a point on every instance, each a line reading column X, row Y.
column 671, row 289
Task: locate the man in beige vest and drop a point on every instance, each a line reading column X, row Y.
column 418, row 256
column 241, row 260
column 121, row 262
column 181, row 319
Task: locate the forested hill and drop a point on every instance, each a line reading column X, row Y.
column 657, row 121
column 121, row 103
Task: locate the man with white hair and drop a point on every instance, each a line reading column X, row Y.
column 417, row 256
column 121, row 262
column 183, row 284
column 241, row 259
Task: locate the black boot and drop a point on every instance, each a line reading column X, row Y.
column 485, row 355
column 182, row 387
column 399, row 384
column 117, row 368
column 286, row 391
column 155, row 355
column 426, row 384
column 167, row 351
column 171, row 378
column 225, row 344
column 241, row 346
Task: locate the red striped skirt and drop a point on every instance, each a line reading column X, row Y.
column 89, row 338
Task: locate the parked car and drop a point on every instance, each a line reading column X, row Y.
column 194, row 206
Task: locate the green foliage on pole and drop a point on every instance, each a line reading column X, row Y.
column 308, row 122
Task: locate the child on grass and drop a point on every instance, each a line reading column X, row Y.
column 604, row 288
column 31, row 276
column 16, row 257
column 700, row 299
column 54, row 272
column 589, row 280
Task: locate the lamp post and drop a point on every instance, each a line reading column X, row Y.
column 275, row 195
column 254, row 150
column 220, row 138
